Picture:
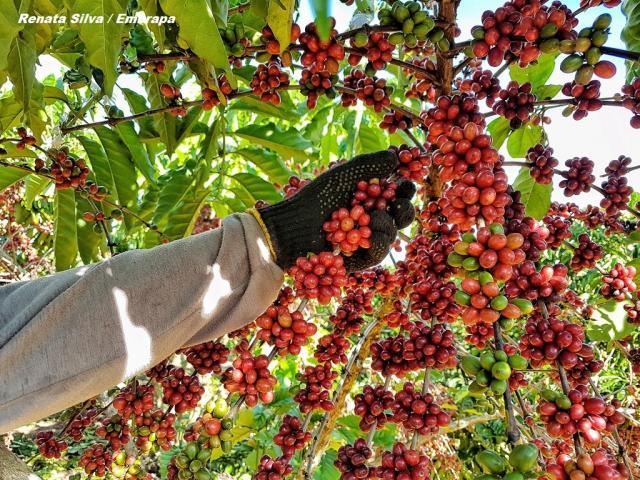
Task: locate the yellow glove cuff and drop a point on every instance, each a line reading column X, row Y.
column 267, row 237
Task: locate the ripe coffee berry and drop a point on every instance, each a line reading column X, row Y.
column 418, row 412
column 481, row 194
column 617, row 194
column 373, row 92
column 25, row 139
column 291, row 436
column 587, row 98
column 413, row 162
column 372, row 406
column 534, row 235
column 352, row 459
column 69, row 172
column 288, row 331
column 433, row 297
column 422, row 87
column 377, row 49
column 49, row 446
column 631, row 101
column 319, row 55
column 318, row 381
column 516, row 103
column 267, row 80
column 558, row 229
column 294, row 185
column 633, row 312
column 579, row 176
column 483, row 84
column 479, row 334
column 317, row 84
column 618, row 282
column 115, row 430
column 207, row 357
column 96, row 460
column 586, row 253
column 134, row 399
column 319, row 276
column 181, row 390
column 619, row 166
column 451, row 111
column 376, row 194
column 170, row 92
column 349, row 229
column 250, row 376
column 394, row 121
column 403, row 463
column 346, row 321
column 80, row 423
column 332, row 348
column 155, row 427
column 548, row 283
column 273, row 469
column 542, row 164
column 464, row 149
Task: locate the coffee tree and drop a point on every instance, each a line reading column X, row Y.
column 497, row 342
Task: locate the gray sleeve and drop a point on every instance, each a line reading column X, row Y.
column 70, row 336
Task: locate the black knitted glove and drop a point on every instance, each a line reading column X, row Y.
column 295, row 224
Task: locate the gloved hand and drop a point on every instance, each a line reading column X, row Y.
column 295, row 224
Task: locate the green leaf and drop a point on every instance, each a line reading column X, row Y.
column 185, row 213
column 186, row 124
column 89, row 241
column 267, row 161
column 22, row 67
column 608, row 322
column 280, row 18
column 320, row 9
column 198, row 28
column 258, row 188
column 65, row 239
column 259, row 8
column 10, row 175
column 131, row 139
column 52, row 94
column 122, row 169
column 631, row 35
column 523, row 139
column 10, row 111
column 150, row 8
column 499, row 130
column 253, row 105
column 9, row 28
column 103, row 41
column 537, row 74
column 547, row 92
column 326, row 470
column 535, row 197
column 34, row 186
column 289, row 143
column 370, row 139
column 164, row 123
column 137, row 104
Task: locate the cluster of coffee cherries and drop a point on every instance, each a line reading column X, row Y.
column 67, row 171
column 212, row 429
column 134, row 400
column 320, row 55
column 483, row 85
column 491, row 371
column 25, row 139
column 631, row 101
column 600, row 465
column 451, row 111
column 349, row 229
column 578, row 177
column 618, row 282
column 528, row 283
column 418, row 412
column 317, row 380
column 376, row 47
column 352, row 461
column 586, row 253
column 616, row 194
column 415, row 25
column 372, row 91
column 49, row 446
column 577, row 412
column 250, row 377
column 190, row 463
column 287, row 331
column 403, row 462
column 96, row 460
column 207, row 357
column 317, row 84
column 586, row 97
column 267, row 80
column 320, row 276
column 515, row 103
column 542, row 163
column 394, row 121
column 291, row 436
column 115, row 430
column 181, row 390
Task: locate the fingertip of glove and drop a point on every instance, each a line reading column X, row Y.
column 406, row 189
column 404, row 213
column 379, row 164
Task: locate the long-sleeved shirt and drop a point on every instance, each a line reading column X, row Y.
column 70, row 336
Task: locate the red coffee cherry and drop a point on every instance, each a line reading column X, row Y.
column 250, row 376
column 267, row 80
column 291, row 436
column 542, row 164
column 332, row 348
column 317, row 84
column 288, row 331
column 96, row 460
column 349, row 229
column 181, row 390
column 587, row 98
column 273, row 469
column 157, row 424
column 631, row 100
column 451, row 111
column 617, row 194
column 516, row 103
column 403, row 463
column 318, row 381
column 115, row 430
column 319, row 276
column 394, row 121
column 586, row 253
column 372, row 406
column 352, row 459
column 378, row 51
column 413, row 163
column 422, row 87
column 418, row 412
column 134, row 400
column 618, row 282
column 319, row 55
column 483, row 84
column 207, row 357
column 49, row 446
column 579, row 176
